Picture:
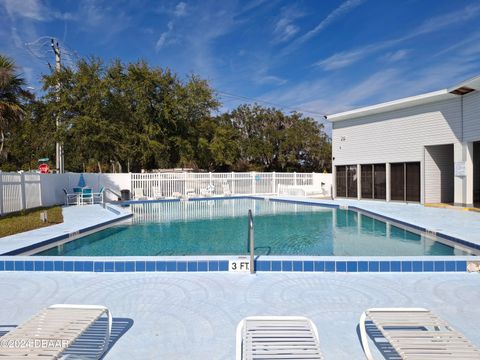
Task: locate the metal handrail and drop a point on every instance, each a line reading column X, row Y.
column 113, row 192
column 251, row 242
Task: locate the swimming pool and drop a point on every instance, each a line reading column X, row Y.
column 219, row 227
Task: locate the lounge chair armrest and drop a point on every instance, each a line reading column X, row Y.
column 239, row 342
column 364, row 337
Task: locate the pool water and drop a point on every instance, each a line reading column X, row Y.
column 219, row 227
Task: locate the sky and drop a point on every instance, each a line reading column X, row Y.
column 317, row 57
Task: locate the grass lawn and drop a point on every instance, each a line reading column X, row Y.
column 29, row 220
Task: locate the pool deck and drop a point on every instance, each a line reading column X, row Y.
column 75, row 219
column 194, row 316
column 460, row 224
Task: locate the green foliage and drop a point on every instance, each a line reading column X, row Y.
column 133, row 116
column 12, row 95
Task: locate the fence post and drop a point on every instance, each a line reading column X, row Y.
column 233, row 183
column 23, row 193
column 185, row 183
column 253, row 182
column 274, row 180
column 295, row 178
column 1, row 193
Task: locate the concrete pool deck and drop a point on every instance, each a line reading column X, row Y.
column 194, row 316
column 460, row 224
column 76, row 219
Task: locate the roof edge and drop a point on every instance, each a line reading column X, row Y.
column 391, row 105
column 450, row 92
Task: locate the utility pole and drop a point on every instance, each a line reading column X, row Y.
column 59, row 147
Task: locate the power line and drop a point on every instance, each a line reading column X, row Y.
column 269, row 103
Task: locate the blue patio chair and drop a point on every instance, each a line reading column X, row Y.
column 98, row 196
column 71, row 198
column 78, row 192
column 87, row 196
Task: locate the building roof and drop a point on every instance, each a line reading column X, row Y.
column 459, row 89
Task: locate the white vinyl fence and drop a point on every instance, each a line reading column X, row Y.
column 19, row 191
column 248, row 183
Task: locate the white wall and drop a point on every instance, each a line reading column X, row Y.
column 52, row 186
column 471, row 116
column 326, row 179
column 396, row 136
column 439, row 174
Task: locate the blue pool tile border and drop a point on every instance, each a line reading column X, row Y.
column 263, row 264
column 310, row 265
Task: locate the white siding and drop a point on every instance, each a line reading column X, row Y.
column 471, row 116
column 439, row 174
column 396, row 136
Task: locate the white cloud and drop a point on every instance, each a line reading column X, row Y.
column 439, row 22
column 164, row 37
column 284, row 29
column 436, row 23
column 343, row 9
column 397, row 55
column 345, row 58
column 33, row 10
column 180, row 9
column 336, row 91
column 333, row 16
column 269, row 79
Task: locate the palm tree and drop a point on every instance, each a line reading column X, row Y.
column 11, row 95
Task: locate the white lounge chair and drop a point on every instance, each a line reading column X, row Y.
column 138, row 194
column 226, row 189
column 62, row 324
column 277, row 337
column 417, row 334
column 208, row 191
column 157, row 193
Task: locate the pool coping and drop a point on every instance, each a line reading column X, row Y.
column 263, row 263
column 71, row 235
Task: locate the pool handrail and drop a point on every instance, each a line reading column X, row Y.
column 251, row 242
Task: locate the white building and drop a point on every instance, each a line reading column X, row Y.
column 423, row 148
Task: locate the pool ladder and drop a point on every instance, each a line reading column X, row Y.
column 251, row 242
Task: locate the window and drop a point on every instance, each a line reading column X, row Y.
column 397, row 181
column 379, row 181
column 405, row 181
column 352, row 181
column 346, row 180
column 341, row 181
column 367, row 181
column 412, row 183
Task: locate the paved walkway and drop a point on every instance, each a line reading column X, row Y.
column 75, row 218
column 464, row 225
column 194, row 316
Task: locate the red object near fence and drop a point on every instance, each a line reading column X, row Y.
column 44, row 168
